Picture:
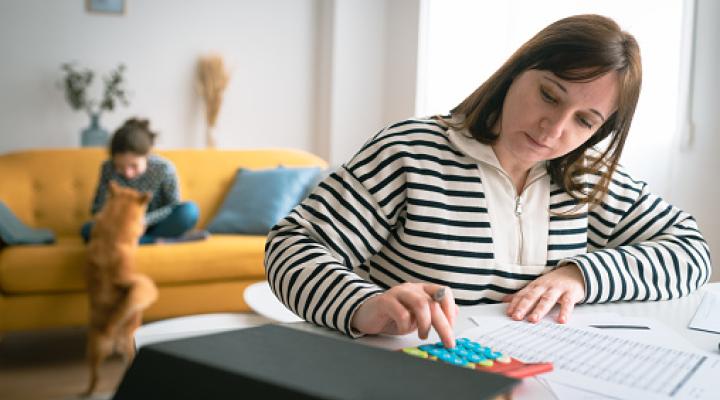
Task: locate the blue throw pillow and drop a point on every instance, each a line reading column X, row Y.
column 13, row 231
column 259, row 199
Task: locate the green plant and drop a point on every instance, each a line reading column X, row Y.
column 77, row 82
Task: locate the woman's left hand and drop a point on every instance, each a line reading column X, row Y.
column 564, row 286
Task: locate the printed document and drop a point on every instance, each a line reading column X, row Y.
column 609, row 365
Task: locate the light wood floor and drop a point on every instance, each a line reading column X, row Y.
column 51, row 365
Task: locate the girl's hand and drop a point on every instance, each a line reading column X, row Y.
column 408, row 307
column 564, row 286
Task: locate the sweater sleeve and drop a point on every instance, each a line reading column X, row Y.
column 168, row 195
column 640, row 247
column 314, row 257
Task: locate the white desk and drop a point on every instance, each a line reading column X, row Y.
column 195, row 325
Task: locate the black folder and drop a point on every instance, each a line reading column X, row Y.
column 274, row 361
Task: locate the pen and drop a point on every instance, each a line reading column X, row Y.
column 439, row 294
column 621, row 327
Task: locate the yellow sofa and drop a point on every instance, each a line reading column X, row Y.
column 42, row 286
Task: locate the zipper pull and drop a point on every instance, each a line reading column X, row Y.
column 518, row 206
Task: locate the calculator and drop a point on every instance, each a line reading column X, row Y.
column 470, row 354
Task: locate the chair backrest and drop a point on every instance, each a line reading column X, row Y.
column 54, row 188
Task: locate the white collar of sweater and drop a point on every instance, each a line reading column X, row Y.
column 519, row 238
column 484, row 153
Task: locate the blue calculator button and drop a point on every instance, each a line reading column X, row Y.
column 457, row 360
column 462, row 352
column 426, row 347
column 466, row 346
column 474, row 358
column 435, row 351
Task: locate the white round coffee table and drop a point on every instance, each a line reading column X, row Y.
column 258, row 296
column 195, row 325
column 262, row 300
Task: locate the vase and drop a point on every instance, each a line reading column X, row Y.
column 94, row 135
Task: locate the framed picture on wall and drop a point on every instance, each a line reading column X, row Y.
column 106, row 6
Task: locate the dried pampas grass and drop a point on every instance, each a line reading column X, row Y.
column 213, row 78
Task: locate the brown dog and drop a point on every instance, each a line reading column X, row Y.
column 117, row 294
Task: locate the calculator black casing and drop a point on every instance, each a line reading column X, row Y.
column 279, row 362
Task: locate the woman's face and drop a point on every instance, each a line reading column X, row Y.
column 129, row 165
column 545, row 117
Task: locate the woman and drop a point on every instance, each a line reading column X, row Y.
column 507, row 199
column 132, row 165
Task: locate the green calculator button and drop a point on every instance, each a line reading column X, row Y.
column 413, row 351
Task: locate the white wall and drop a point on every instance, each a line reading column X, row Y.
column 357, row 75
column 268, row 44
column 695, row 183
column 318, row 75
column 368, row 55
column 401, row 59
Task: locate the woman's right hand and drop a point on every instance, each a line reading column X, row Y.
column 408, row 307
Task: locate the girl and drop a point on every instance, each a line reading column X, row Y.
column 132, row 165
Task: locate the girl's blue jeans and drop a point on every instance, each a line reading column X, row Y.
column 183, row 218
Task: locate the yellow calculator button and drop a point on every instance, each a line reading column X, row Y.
column 413, row 351
column 485, row 363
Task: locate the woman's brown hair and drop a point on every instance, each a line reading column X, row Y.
column 579, row 49
column 134, row 136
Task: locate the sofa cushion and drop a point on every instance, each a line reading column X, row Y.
column 59, row 267
column 259, row 199
column 13, row 231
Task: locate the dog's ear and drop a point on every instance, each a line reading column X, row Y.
column 145, row 197
column 113, row 186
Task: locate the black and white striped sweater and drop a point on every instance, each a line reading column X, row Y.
column 411, row 207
